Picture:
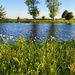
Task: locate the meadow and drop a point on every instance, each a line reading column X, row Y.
column 50, row 57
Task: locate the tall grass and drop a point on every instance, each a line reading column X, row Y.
column 30, row 58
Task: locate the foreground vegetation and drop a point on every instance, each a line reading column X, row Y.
column 30, row 58
column 36, row 21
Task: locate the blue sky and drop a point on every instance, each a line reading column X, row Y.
column 15, row 8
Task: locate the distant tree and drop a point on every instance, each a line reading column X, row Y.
column 18, row 18
column 2, row 12
column 32, row 7
column 64, row 14
column 69, row 16
column 43, row 17
column 53, row 6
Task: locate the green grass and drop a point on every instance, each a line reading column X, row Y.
column 36, row 21
column 30, row 58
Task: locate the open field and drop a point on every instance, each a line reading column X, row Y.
column 36, row 21
column 30, row 58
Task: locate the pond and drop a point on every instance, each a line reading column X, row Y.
column 38, row 32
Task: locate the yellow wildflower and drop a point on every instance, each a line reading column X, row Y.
column 0, row 55
column 15, row 58
column 0, row 35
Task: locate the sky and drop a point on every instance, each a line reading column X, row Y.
column 17, row 8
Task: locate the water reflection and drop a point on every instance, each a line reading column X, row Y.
column 37, row 32
column 34, row 32
column 52, row 31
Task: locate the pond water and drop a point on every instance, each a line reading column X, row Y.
column 40, row 32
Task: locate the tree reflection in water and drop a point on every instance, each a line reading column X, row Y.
column 52, row 33
column 34, row 32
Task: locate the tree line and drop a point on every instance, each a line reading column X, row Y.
column 52, row 5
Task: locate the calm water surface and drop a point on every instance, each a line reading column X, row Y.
column 40, row 32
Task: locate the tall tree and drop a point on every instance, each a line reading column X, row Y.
column 32, row 7
column 2, row 12
column 53, row 6
column 64, row 14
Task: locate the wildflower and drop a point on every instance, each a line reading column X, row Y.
column 22, row 41
column 11, row 37
column 64, row 62
column 52, row 38
column 52, row 69
column 15, row 58
column 26, row 59
column 14, row 65
column 34, row 40
column 35, row 37
column 19, row 70
column 37, row 64
column 0, row 35
column 4, row 68
column 7, row 38
column 72, row 67
column 0, row 55
column 43, row 57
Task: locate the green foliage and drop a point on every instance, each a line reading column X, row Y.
column 64, row 14
column 36, row 21
column 32, row 7
column 53, row 6
column 69, row 16
column 34, row 12
column 18, row 18
column 43, row 17
column 28, row 58
column 2, row 12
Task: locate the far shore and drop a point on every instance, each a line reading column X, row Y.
column 37, row 21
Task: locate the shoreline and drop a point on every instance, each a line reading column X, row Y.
column 56, row 21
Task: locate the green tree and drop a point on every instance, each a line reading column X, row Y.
column 32, row 7
column 2, row 12
column 53, row 6
column 43, row 17
column 64, row 14
column 69, row 16
column 18, row 18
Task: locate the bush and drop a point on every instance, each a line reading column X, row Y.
column 69, row 16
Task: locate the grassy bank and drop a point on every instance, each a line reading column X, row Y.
column 29, row 58
column 36, row 21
